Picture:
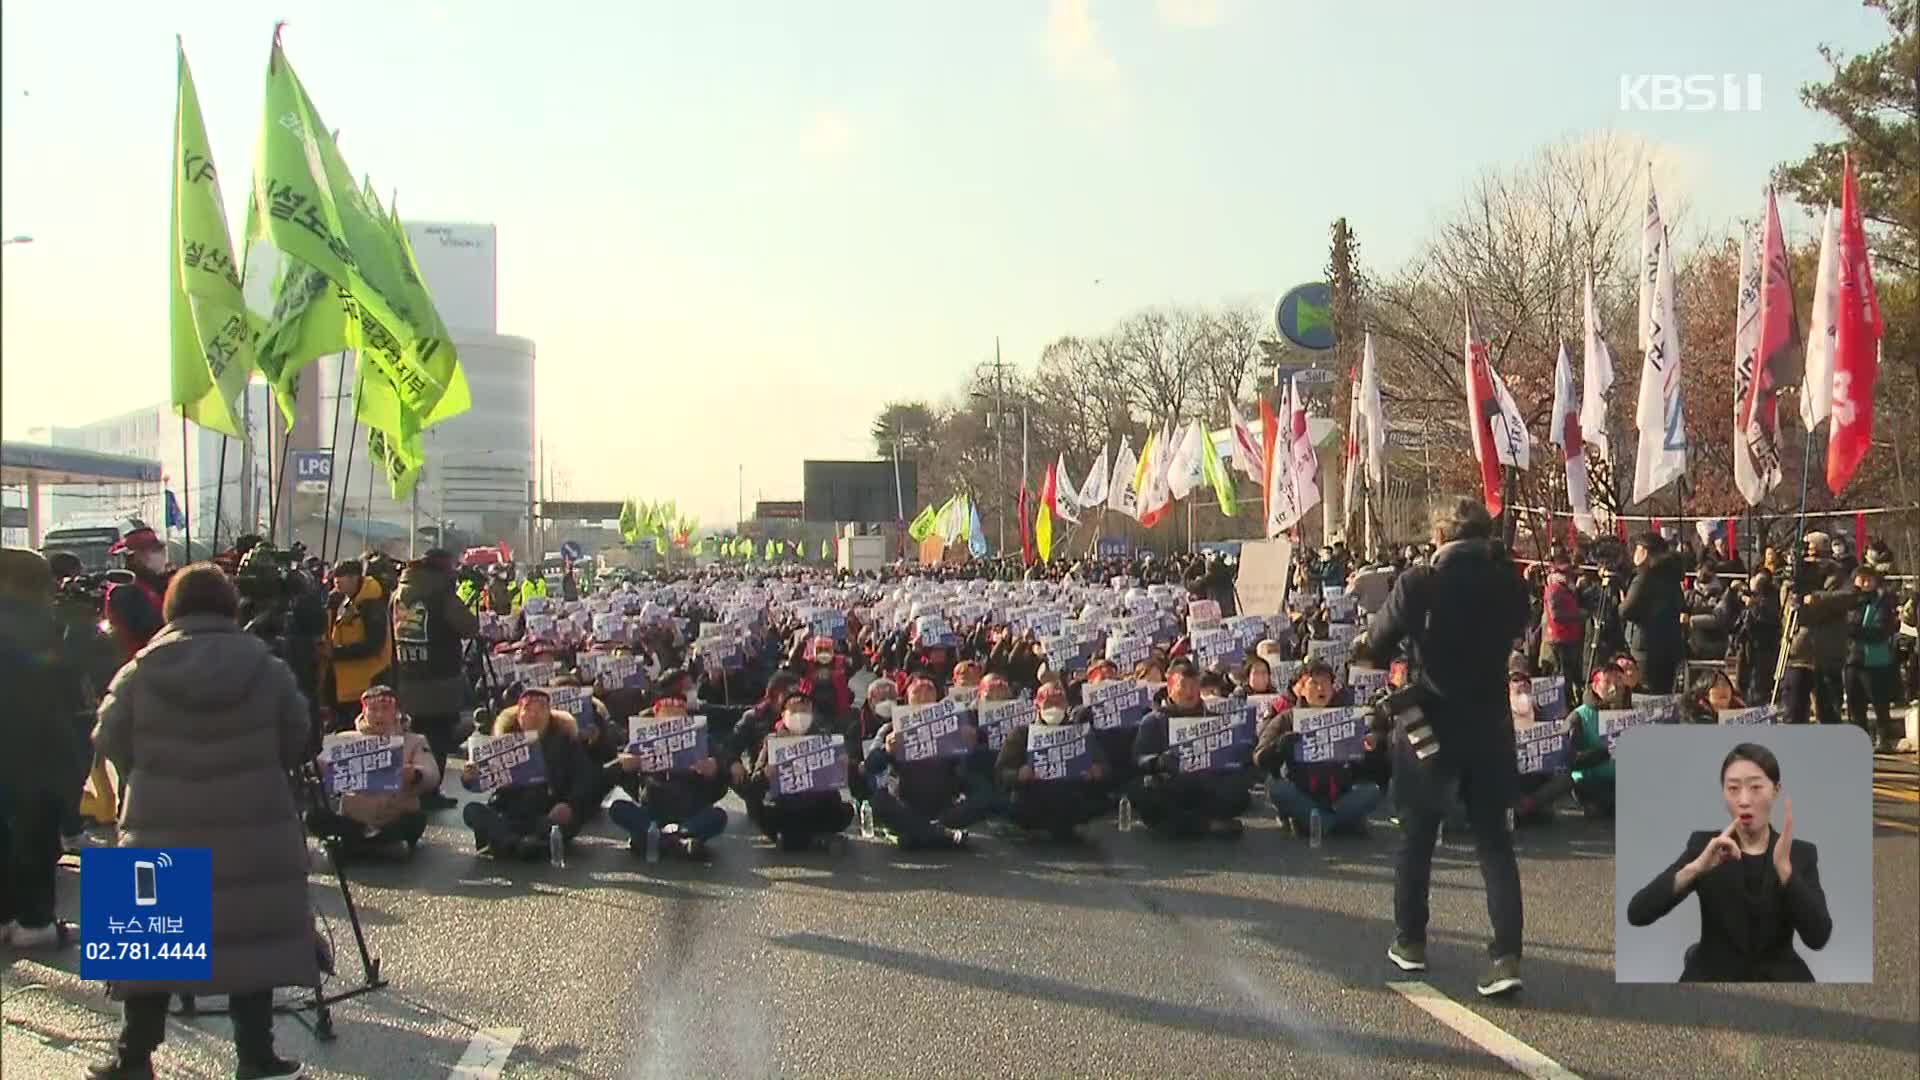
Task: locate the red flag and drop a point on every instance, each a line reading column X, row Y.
column 1620, row 528
column 1860, row 534
column 1781, row 355
column 1481, row 406
column 1050, row 492
column 1733, row 538
column 1269, row 434
column 1654, row 525
column 1857, row 330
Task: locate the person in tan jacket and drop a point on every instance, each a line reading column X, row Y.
column 366, row 821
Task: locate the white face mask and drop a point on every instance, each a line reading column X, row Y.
column 799, row 722
column 1522, row 704
column 1053, row 715
column 883, row 708
column 153, row 562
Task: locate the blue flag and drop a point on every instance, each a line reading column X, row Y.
column 176, row 518
column 976, row 535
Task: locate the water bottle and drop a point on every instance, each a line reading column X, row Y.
column 1316, row 828
column 1440, row 834
column 1126, row 814
column 653, row 843
column 867, row 831
column 556, row 848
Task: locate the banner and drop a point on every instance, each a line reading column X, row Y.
column 1755, row 714
column 806, row 764
column 1330, row 735
column 1550, row 700
column 1058, row 752
column 1128, row 652
column 997, row 718
column 510, row 760
column 1664, row 708
column 1614, row 723
column 667, row 743
column 1215, row 646
column 1203, row 614
column 1541, row 747
column 1116, row 703
column 827, row 622
column 577, row 702
column 1366, row 682
column 351, row 763
column 1212, row 743
column 619, row 673
column 1335, row 654
column 928, row 732
column 1063, row 653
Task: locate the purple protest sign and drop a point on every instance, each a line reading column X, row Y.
column 510, row 760
column 806, row 764
column 930, row 731
column 352, row 764
column 1058, row 752
column 1328, row 735
column 667, row 743
column 1214, row 742
column 1116, row 703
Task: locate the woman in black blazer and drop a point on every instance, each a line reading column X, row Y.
column 1757, row 887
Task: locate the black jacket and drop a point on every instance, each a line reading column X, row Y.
column 1013, row 752
column 1747, row 918
column 1150, row 746
column 570, row 779
column 42, row 697
column 673, row 796
column 1652, row 612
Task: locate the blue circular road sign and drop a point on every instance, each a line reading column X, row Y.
column 1305, row 316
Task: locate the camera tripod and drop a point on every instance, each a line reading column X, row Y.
column 321, row 1003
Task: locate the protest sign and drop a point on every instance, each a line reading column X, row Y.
column 1063, row 653
column 540, row 626
column 1755, row 714
column 510, row 760
column 575, row 701
column 535, row 673
column 1330, row 735
column 619, row 673
column 997, row 718
column 1614, row 722
column 1045, row 623
column 1549, row 700
column 806, row 764
column 827, row 622
column 1212, row 743
column 1116, row 703
column 667, row 743
column 1058, row 752
column 351, row 763
column 1366, row 682
column 1541, row 747
column 1332, row 592
column 1215, row 646
column 1664, row 708
column 1202, row 615
column 1128, row 653
column 928, row 732
column 1336, row 654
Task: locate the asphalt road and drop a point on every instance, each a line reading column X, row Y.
column 1123, row 956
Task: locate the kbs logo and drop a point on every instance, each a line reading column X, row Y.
column 1690, row 93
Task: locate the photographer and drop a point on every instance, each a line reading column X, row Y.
column 282, row 607
column 1757, row 641
column 41, row 768
column 1652, row 610
column 360, row 649
column 1460, row 617
column 1818, row 650
column 1870, row 676
column 429, row 625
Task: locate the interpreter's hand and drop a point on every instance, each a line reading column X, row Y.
column 1096, row 773
column 707, row 768
column 1783, row 847
column 628, row 762
column 1026, row 774
column 561, row 815
column 1719, row 851
column 469, row 773
column 738, row 773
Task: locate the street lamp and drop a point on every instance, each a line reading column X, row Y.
column 21, row 239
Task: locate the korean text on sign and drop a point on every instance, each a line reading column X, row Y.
column 1541, row 747
column 668, row 743
column 997, row 718
column 806, row 764
column 1058, row 752
column 352, row 764
column 1212, row 743
column 931, row 731
column 1328, row 735
column 510, row 760
column 1116, row 703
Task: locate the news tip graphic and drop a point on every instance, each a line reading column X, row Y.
column 146, row 913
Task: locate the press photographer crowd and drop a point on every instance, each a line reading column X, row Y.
column 917, row 706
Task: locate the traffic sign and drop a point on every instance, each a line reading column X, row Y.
column 571, row 551
column 1305, row 316
column 312, row 469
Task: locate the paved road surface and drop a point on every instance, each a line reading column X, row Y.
column 1125, row 956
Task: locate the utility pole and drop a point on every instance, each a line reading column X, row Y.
column 997, row 420
column 740, row 498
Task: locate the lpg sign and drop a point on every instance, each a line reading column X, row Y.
column 312, row 469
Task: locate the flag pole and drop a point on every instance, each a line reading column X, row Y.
column 186, row 490
column 219, row 497
column 272, row 520
column 333, row 452
column 278, row 490
column 346, row 484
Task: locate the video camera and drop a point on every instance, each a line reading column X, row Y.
column 91, row 588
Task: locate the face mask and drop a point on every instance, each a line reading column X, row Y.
column 153, row 562
column 883, row 709
column 799, row 722
column 1522, row 704
column 1053, row 715
column 692, row 699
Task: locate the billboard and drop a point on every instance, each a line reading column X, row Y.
column 859, row 490
column 460, row 265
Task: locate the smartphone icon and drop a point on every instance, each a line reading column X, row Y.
column 146, row 892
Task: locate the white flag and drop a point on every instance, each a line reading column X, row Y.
column 1566, row 434
column 1596, row 380
column 1296, row 478
column 1065, row 499
column 1122, row 494
column 1816, row 391
column 1659, row 413
column 1746, row 348
column 1510, row 439
column 1186, row 466
column 1350, row 480
column 1247, row 455
column 1156, row 491
column 1373, row 415
column 1094, row 492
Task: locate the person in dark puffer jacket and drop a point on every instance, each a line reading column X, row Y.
column 680, row 801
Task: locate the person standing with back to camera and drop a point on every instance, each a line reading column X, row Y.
column 1757, row 886
column 1460, row 615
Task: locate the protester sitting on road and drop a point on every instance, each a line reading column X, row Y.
column 797, row 822
column 749, row 738
column 924, row 803
column 1343, row 793
column 681, row 802
column 1178, row 803
column 515, row 821
column 1712, row 694
column 367, row 821
column 966, row 680
column 875, row 712
column 1539, row 791
column 1057, row 807
column 1592, row 770
column 1256, row 678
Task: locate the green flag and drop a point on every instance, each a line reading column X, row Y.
column 826, row 553
column 629, row 522
column 923, row 525
column 1216, row 475
column 398, row 460
column 213, row 338
column 699, row 548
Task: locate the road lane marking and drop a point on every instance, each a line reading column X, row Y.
column 486, row 1055
column 1483, row 1033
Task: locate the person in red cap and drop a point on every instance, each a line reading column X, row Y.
column 133, row 608
column 366, row 822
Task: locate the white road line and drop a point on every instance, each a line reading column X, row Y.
column 486, row 1055
column 1483, row 1033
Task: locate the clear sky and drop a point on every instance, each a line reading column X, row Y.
column 734, row 230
